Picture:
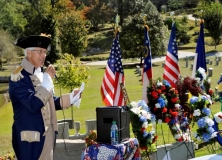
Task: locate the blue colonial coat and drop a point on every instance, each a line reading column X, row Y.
column 35, row 123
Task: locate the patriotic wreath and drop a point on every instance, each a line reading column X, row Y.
column 200, row 99
column 164, row 103
column 142, row 125
column 218, row 116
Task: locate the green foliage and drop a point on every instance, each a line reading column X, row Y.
column 182, row 34
column 48, row 27
column 182, row 30
column 12, row 19
column 7, row 49
column 212, row 16
column 159, row 35
column 72, row 74
column 72, row 33
column 132, row 35
column 175, row 4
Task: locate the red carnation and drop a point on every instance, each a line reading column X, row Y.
column 159, row 91
column 163, row 88
column 180, row 139
column 154, row 139
column 210, row 92
column 173, row 113
column 154, row 94
column 142, row 129
column 164, row 110
column 143, row 148
column 167, row 119
column 174, row 100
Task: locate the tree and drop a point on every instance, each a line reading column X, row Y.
column 72, row 74
column 72, row 33
column 175, row 4
column 7, row 47
column 12, row 19
column 99, row 12
column 212, row 15
column 127, row 7
column 48, row 27
column 132, row 35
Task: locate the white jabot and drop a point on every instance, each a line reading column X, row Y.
column 39, row 74
column 47, row 82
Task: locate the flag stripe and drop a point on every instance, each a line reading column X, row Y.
column 171, row 71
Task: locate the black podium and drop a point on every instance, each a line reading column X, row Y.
column 105, row 116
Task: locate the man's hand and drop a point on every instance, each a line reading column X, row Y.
column 76, row 91
column 51, row 71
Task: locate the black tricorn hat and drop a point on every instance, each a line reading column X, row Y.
column 42, row 41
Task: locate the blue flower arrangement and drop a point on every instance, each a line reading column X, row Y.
column 202, row 116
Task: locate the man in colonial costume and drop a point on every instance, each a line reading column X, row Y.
column 33, row 101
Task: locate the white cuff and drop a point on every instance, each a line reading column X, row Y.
column 47, row 82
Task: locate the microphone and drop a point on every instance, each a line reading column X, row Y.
column 47, row 63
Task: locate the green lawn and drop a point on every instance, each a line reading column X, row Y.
column 91, row 99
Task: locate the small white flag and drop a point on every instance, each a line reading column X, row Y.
column 167, row 156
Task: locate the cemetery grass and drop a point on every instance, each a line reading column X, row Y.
column 91, row 99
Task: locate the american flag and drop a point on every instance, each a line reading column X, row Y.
column 200, row 58
column 110, row 90
column 171, row 71
column 147, row 66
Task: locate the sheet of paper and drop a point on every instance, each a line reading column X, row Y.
column 76, row 99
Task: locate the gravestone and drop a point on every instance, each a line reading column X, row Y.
column 63, row 130
column 207, row 61
column 210, row 62
column 216, row 63
column 187, row 61
column 191, row 66
column 210, row 72
column 70, row 121
column 68, row 149
column 177, row 151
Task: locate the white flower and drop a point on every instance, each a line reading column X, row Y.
column 202, row 72
column 159, row 121
column 197, row 79
column 159, row 83
column 209, row 98
column 136, row 111
column 157, row 105
column 177, row 106
column 134, row 104
column 208, row 80
column 177, row 136
column 148, row 116
column 196, row 112
column 145, row 124
column 218, row 117
column 209, row 121
column 143, row 113
column 214, row 135
column 174, row 127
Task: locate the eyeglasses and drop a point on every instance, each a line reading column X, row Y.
column 41, row 52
